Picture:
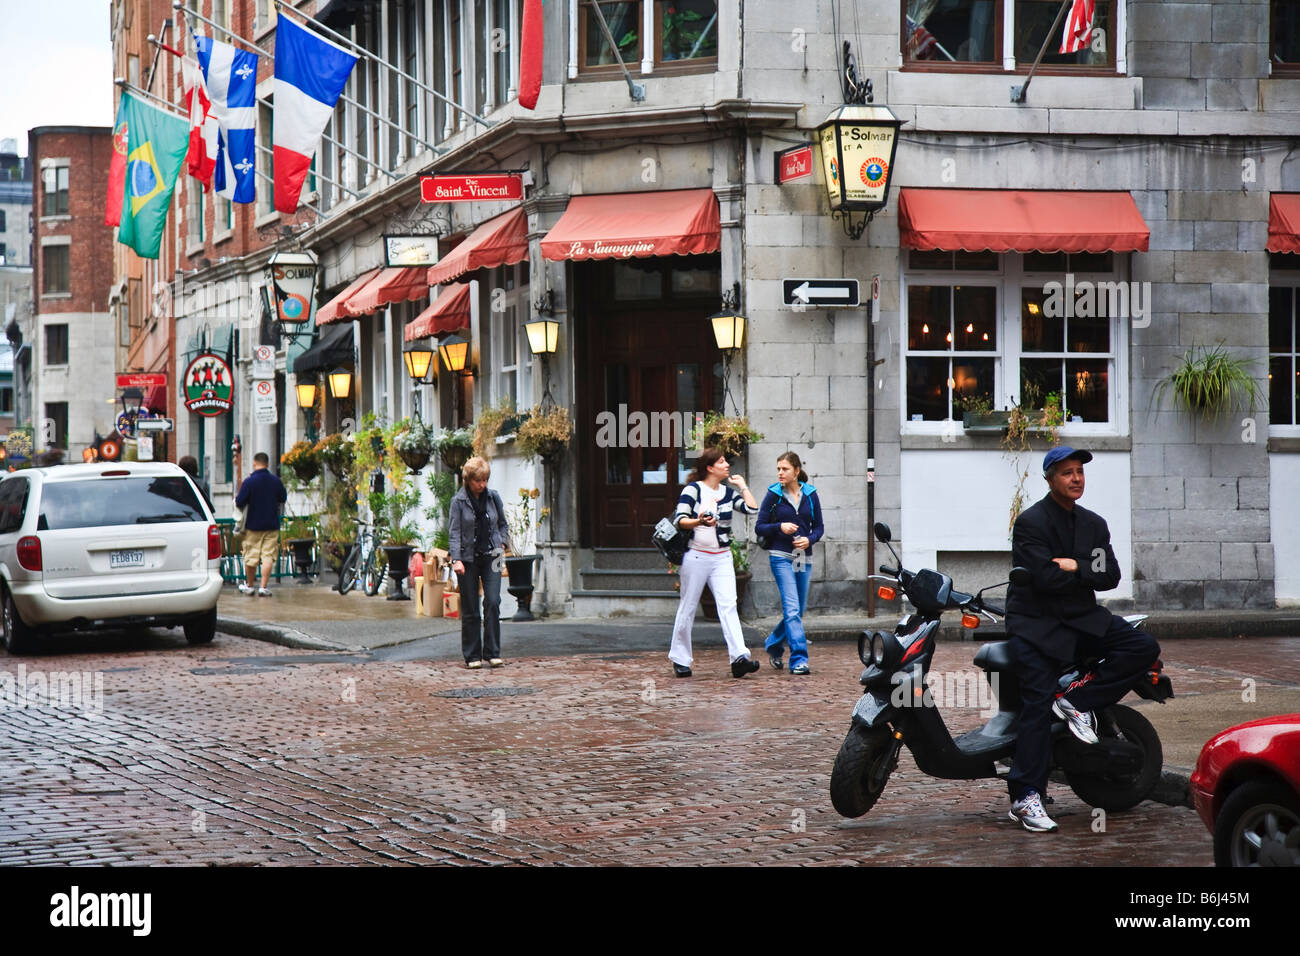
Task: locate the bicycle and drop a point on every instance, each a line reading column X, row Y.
column 364, row 565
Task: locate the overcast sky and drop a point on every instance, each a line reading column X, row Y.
column 56, row 64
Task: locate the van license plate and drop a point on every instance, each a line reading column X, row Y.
column 126, row 559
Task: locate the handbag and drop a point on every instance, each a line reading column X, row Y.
column 670, row 541
column 241, row 520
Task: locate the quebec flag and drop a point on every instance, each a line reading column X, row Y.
column 310, row 73
column 231, row 79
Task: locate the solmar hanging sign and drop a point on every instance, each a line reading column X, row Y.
column 209, row 385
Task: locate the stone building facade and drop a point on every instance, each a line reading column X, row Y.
column 1185, row 114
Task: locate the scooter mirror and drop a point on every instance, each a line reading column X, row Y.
column 882, row 532
column 1021, row 577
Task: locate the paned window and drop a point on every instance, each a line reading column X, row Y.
column 971, row 34
column 1029, row 328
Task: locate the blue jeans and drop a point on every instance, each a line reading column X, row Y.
column 793, row 586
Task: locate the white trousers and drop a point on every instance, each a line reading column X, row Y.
column 715, row 570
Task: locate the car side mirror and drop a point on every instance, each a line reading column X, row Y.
column 883, row 534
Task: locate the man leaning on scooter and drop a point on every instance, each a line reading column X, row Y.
column 1057, row 619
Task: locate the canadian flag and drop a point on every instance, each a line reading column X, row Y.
column 203, row 125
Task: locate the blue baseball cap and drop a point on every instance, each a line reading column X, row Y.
column 1061, row 454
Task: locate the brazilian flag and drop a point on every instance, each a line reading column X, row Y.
column 156, row 146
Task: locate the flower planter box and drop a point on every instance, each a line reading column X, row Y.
column 985, row 423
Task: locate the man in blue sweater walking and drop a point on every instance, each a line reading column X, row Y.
column 261, row 494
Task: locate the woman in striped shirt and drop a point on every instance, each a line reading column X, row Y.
column 705, row 507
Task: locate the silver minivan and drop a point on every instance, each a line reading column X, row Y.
column 106, row 545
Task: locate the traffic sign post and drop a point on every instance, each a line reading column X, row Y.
column 820, row 293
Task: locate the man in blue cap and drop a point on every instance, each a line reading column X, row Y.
column 1056, row 620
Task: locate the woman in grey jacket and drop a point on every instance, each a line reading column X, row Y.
column 479, row 534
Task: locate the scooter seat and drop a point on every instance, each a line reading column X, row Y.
column 995, row 656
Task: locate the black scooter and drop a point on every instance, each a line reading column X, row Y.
column 897, row 708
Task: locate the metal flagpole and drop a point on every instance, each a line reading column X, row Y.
column 325, row 136
column 179, row 5
column 1018, row 92
column 362, row 51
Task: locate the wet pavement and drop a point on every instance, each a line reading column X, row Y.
column 246, row 753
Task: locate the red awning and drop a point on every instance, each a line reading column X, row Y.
column 636, row 225
column 501, row 241
column 392, row 285
column 1284, row 222
column 449, row 312
column 1020, row 220
column 332, row 311
column 156, row 399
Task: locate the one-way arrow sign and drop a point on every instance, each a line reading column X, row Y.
column 820, row 292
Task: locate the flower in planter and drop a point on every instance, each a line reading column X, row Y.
column 544, row 433
column 303, row 460
column 729, row 434
column 524, row 519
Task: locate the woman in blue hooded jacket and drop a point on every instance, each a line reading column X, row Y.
column 789, row 523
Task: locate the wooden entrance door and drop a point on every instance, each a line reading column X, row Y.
column 648, row 374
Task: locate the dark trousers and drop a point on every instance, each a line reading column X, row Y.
column 480, row 636
column 1126, row 652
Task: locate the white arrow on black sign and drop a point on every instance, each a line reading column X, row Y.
column 820, row 292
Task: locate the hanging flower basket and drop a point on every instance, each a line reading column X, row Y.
column 414, row 460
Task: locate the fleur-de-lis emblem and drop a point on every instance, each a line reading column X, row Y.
column 244, row 72
column 244, row 167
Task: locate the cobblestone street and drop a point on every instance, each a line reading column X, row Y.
column 242, row 753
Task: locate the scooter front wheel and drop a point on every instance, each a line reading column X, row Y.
column 861, row 770
column 1122, row 789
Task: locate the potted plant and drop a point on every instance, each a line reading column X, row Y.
column 414, row 444
column 739, row 562
column 979, row 415
column 338, row 533
column 399, row 536
column 442, row 485
column 1021, row 423
column 299, row 533
column 454, row 446
column 335, row 453
column 303, row 460
column 1210, row 382
column 729, row 434
column 524, row 519
column 544, row 433
column 488, row 426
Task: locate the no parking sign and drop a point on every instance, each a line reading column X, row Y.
column 264, row 410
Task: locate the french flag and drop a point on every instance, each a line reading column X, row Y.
column 310, row 73
column 230, row 76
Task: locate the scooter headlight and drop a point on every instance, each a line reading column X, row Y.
column 871, row 648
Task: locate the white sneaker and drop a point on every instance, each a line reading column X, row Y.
column 245, row 589
column 1081, row 722
column 1029, row 811
column 263, row 592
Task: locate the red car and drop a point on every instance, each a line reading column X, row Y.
column 1246, row 788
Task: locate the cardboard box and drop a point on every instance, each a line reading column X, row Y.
column 450, row 604
column 435, row 560
column 429, row 599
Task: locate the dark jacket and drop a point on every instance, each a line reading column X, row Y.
column 262, row 494
column 1050, row 612
column 462, row 524
column 776, row 509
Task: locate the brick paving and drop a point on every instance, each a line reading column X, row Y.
column 241, row 754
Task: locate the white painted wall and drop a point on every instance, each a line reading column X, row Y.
column 960, row 501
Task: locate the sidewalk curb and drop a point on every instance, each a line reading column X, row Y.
column 285, row 636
